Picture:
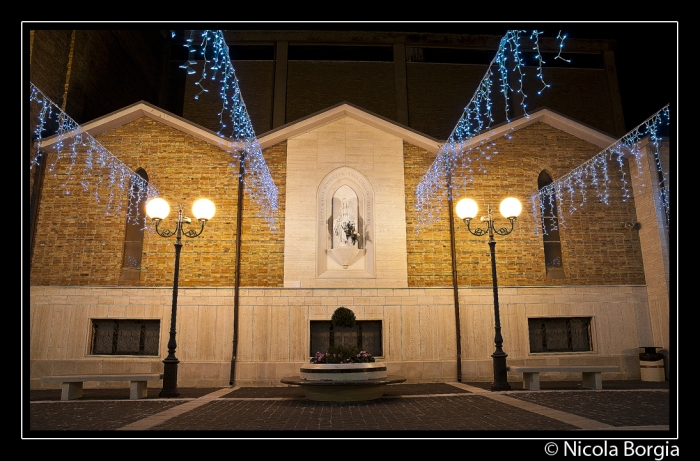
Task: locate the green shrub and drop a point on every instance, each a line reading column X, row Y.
column 343, row 317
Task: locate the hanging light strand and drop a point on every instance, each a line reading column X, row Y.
column 82, row 154
column 461, row 151
column 217, row 66
column 570, row 190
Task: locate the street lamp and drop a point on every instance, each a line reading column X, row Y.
column 510, row 209
column 157, row 209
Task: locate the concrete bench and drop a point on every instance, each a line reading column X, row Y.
column 72, row 385
column 591, row 374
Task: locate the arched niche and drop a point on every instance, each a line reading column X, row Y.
column 345, row 196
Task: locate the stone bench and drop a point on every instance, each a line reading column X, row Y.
column 72, row 385
column 591, row 374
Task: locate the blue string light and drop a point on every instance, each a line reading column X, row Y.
column 216, row 59
column 70, row 140
column 571, row 188
column 473, row 125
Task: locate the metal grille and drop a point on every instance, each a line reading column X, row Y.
column 366, row 335
column 572, row 334
column 125, row 337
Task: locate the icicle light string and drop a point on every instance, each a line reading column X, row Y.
column 120, row 178
column 217, row 66
column 475, row 121
column 570, row 191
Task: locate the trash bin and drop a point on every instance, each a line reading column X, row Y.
column 651, row 364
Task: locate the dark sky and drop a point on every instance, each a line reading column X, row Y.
column 646, row 55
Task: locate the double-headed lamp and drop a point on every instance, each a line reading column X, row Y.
column 467, row 208
column 203, row 209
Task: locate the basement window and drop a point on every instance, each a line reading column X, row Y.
column 366, row 335
column 560, row 334
column 124, row 337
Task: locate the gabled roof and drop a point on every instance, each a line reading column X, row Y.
column 144, row 109
column 556, row 120
column 416, row 138
column 344, row 109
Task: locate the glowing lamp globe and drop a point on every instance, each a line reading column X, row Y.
column 203, row 209
column 467, row 208
column 511, row 207
column 157, row 208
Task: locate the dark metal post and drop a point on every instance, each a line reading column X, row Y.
column 500, row 375
column 455, row 280
column 237, row 280
column 170, row 362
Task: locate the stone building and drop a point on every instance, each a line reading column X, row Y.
column 255, row 296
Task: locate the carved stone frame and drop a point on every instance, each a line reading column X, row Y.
column 344, row 176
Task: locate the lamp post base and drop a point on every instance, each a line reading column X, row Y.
column 500, row 374
column 169, row 379
column 169, row 394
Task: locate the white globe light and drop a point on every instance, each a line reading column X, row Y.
column 157, row 208
column 466, row 208
column 511, row 207
column 203, row 209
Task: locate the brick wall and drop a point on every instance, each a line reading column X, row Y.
column 79, row 240
column 597, row 249
column 262, row 246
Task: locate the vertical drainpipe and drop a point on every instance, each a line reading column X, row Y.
column 455, row 283
column 239, row 220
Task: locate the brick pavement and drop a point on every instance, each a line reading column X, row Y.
column 453, row 410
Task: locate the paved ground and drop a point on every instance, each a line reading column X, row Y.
column 437, row 410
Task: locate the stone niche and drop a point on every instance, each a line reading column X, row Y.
column 345, row 203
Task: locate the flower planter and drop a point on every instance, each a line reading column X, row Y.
column 342, row 371
column 343, row 382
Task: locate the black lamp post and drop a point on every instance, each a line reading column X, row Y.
column 157, row 209
column 510, row 209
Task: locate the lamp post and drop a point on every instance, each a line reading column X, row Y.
column 510, row 209
column 157, row 209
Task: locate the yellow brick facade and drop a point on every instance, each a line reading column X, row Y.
column 76, row 265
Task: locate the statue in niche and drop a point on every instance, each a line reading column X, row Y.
column 345, row 226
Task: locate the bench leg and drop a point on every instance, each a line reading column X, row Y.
column 531, row 381
column 138, row 390
column 592, row 380
column 70, row 391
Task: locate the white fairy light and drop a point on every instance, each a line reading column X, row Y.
column 71, row 138
column 257, row 179
column 474, row 122
column 571, row 188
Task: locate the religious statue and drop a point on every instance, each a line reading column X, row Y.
column 345, row 227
